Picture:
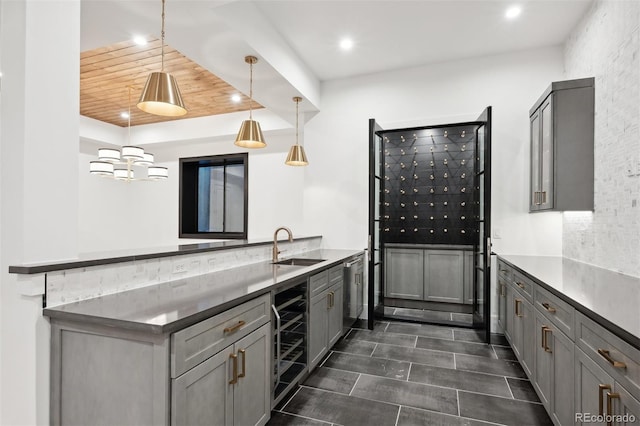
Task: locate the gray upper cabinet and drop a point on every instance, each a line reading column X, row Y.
column 562, row 155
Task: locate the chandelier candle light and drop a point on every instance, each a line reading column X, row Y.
column 161, row 95
column 125, row 160
column 296, row 156
column 250, row 134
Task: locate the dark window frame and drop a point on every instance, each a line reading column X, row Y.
column 188, row 195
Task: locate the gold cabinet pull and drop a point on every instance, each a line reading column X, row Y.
column 329, row 300
column 546, row 340
column 519, row 284
column 234, row 328
column 610, row 396
column 601, row 389
column 244, row 362
column 502, row 289
column 234, row 359
column 518, row 313
column 548, row 307
column 545, row 345
column 607, row 355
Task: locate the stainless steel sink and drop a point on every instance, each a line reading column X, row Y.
column 299, row 262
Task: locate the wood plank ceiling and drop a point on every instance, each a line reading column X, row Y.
column 107, row 72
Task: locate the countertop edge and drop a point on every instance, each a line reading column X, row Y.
column 615, row 329
column 99, row 261
column 179, row 324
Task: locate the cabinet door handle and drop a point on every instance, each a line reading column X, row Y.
column 502, row 288
column 601, row 389
column 244, row 362
column 546, row 339
column 610, row 396
column 329, row 300
column 519, row 284
column 549, row 308
column 544, row 197
column 518, row 313
column 234, row 360
column 234, row 328
column 607, row 355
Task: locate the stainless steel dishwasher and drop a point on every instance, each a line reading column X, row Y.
column 353, row 291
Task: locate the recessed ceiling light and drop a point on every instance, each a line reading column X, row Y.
column 124, row 114
column 236, row 98
column 513, row 12
column 346, row 44
column 140, row 40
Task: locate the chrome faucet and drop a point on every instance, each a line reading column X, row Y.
column 275, row 241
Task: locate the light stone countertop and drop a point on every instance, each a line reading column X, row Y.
column 608, row 297
column 171, row 306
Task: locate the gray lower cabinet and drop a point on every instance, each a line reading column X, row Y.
column 432, row 275
column 214, row 372
column 502, row 305
column 553, row 373
column 592, row 384
column 325, row 321
column 404, row 269
column 444, row 276
column 230, row 388
column 522, row 330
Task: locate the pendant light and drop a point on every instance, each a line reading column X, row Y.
column 125, row 160
column 250, row 134
column 161, row 95
column 296, row 156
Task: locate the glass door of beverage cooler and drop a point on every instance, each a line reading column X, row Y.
column 375, row 304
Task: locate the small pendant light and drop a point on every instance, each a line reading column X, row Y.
column 161, row 95
column 250, row 134
column 296, row 156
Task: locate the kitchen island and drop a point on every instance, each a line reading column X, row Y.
column 196, row 350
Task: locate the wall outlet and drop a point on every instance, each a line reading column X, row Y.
column 179, row 267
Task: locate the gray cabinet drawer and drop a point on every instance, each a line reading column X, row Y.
column 504, row 271
column 524, row 285
column 319, row 282
column 560, row 313
column 336, row 275
column 616, row 357
column 191, row 346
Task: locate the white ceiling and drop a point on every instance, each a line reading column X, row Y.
column 400, row 33
column 297, row 40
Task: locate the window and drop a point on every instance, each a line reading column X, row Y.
column 214, row 196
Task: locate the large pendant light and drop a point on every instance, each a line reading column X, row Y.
column 296, row 156
column 250, row 134
column 161, row 95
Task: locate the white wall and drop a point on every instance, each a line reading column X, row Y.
column 38, row 200
column 116, row 215
column 336, row 186
column 606, row 45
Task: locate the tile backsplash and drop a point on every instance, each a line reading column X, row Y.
column 77, row 284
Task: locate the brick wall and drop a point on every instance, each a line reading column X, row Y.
column 606, row 45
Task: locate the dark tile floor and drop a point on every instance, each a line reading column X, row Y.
column 429, row 315
column 404, row 374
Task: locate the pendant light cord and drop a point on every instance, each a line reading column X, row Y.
column 250, row 89
column 162, row 37
column 297, row 103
